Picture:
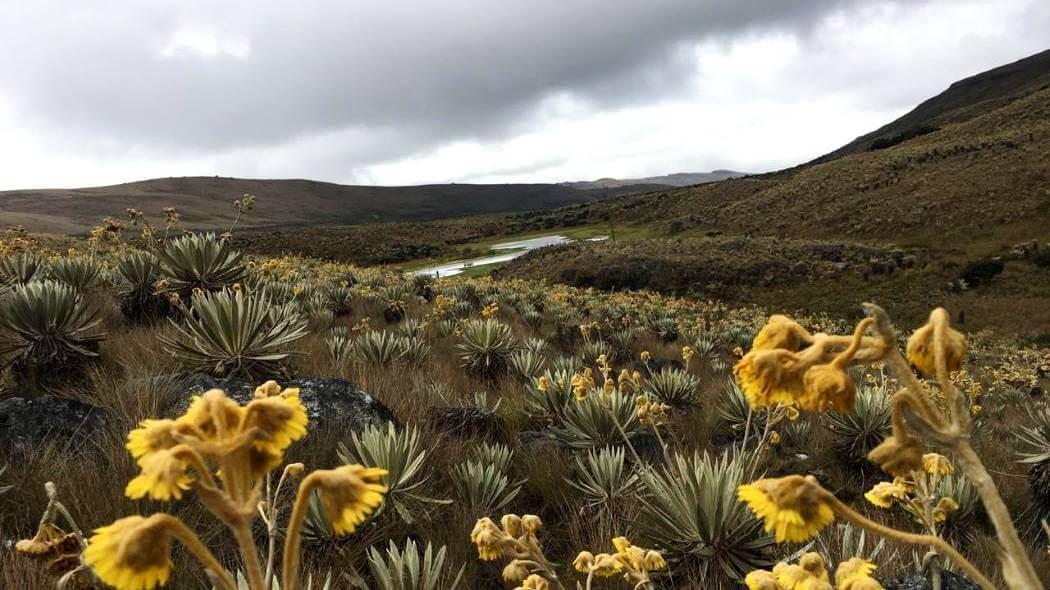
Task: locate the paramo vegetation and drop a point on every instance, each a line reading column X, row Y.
column 539, row 436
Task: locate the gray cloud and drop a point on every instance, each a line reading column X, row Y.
column 368, row 81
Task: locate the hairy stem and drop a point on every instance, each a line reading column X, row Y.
column 937, row 543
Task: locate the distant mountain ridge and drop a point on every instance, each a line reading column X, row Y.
column 206, row 202
column 677, row 179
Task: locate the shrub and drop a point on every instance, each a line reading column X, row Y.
column 231, row 333
column 199, row 261
column 415, row 350
column 981, row 272
column 340, row 299
column 551, row 403
column 691, row 511
column 46, row 331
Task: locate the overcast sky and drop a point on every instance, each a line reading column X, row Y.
column 408, row 92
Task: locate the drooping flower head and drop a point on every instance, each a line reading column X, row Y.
column 897, row 456
column 769, row 377
column 792, row 507
column 133, row 553
column 936, row 464
column 349, row 494
column 922, row 345
column 780, row 332
column 884, row 493
column 163, row 477
column 828, row 387
column 762, row 580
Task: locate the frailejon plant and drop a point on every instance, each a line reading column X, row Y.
column 406, row 569
column 232, row 333
column 46, row 330
column 789, row 365
column 199, row 261
column 224, row 453
column 80, row 272
column 139, row 273
column 486, row 348
column 20, row 268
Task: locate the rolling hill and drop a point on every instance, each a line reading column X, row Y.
column 206, row 202
column 676, row 179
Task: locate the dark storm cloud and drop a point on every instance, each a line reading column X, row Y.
column 397, row 76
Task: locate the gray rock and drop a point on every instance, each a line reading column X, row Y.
column 27, row 422
column 949, row 581
column 330, row 402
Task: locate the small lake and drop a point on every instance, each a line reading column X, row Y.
column 515, row 249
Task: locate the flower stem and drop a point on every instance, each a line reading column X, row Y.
column 180, row 531
column 912, row 539
column 290, row 569
column 243, row 533
column 1022, row 574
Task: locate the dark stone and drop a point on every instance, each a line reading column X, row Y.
column 468, row 422
column 949, row 581
column 330, row 403
column 27, row 422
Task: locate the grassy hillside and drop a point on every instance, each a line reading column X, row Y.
column 206, row 202
column 960, row 101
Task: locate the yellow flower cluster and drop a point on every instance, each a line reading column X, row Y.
column 242, row 444
column 810, row 573
column 634, row 563
column 788, row 365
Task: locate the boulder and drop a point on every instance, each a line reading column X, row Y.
column 330, row 402
column 27, row 422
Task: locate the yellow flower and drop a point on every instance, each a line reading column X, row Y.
column 583, row 562
column 214, row 417
column 774, row 438
column 884, row 493
column 133, row 553
column 515, row 571
column 511, row 524
column 488, row 537
column 944, row 506
column 762, row 580
column 933, row 463
column 349, row 494
column 897, row 457
column 49, row 542
column 827, row 387
column 814, row 564
column 790, row 576
column 769, row 377
column 152, row 436
column 280, row 420
column 535, row 582
column 163, row 477
column 531, row 523
column 922, row 344
column 646, row 357
column 853, row 568
column 791, row 506
column 606, row 565
column 780, row 332
column 542, row 384
column 654, row 561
